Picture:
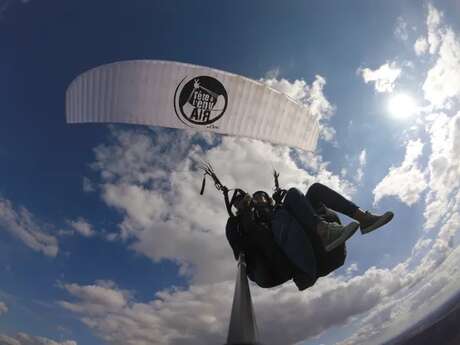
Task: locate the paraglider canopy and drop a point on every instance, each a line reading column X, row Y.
column 178, row 95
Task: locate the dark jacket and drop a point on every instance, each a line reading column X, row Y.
column 266, row 264
column 282, row 250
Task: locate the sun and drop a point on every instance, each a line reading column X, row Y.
column 402, row 106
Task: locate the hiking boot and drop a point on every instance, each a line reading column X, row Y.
column 371, row 221
column 333, row 234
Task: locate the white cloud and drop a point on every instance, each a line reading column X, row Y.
column 443, row 79
column 199, row 315
column 401, row 29
column 442, row 84
column 361, row 166
column 100, row 298
column 310, row 95
column 431, row 283
column 362, row 158
column 421, row 46
column 22, row 224
column 272, row 74
column 407, row 181
column 3, row 308
column 444, row 166
column 421, row 244
column 82, row 227
column 88, row 185
column 25, row 339
column 435, row 260
column 433, row 22
column 352, row 268
column 166, row 222
column 384, row 77
column 152, row 180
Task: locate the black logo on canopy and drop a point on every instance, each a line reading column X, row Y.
column 200, row 101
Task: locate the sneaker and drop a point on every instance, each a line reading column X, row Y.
column 333, row 234
column 372, row 221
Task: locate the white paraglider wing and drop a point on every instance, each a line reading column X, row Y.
column 177, row 95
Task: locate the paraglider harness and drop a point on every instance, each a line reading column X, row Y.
column 249, row 232
column 261, row 211
column 257, row 216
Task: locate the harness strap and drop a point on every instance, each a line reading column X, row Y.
column 208, row 170
column 279, row 193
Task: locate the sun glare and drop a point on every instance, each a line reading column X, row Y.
column 402, row 106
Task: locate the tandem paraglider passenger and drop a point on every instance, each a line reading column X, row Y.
column 292, row 235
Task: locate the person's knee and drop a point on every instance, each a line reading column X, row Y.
column 294, row 191
column 293, row 194
column 315, row 188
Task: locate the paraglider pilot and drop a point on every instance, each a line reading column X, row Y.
column 291, row 235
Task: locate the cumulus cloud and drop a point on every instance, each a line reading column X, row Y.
column 442, row 84
column 444, row 166
column 401, row 29
column 433, row 22
column 98, row 298
column 421, row 244
column 152, row 179
column 25, row 339
column 443, row 79
column 310, row 95
column 3, row 308
column 361, row 166
column 434, row 281
column 22, row 224
column 421, row 46
column 82, row 227
column 407, row 181
column 199, row 315
column 434, row 33
column 430, row 283
column 88, row 185
column 384, row 77
column 352, row 268
column 164, row 221
column 435, row 260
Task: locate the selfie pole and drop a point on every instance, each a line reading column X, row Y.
column 243, row 327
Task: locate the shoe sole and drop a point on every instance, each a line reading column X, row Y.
column 381, row 222
column 347, row 232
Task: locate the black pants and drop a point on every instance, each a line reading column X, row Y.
column 304, row 207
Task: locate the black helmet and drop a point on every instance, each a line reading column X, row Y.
column 261, row 198
column 263, row 206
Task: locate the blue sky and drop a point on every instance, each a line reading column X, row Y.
column 92, row 254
